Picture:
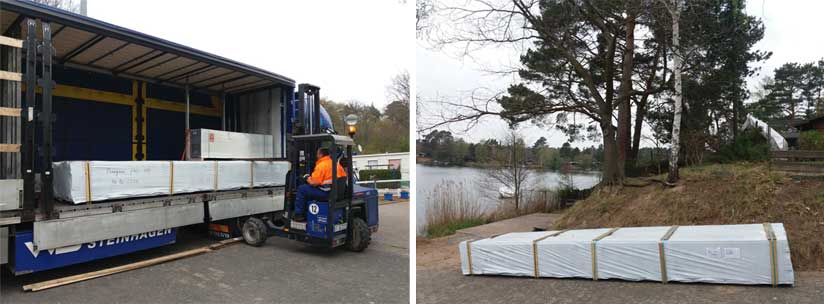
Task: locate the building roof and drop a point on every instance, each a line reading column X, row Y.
column 381, row 155
column 88, row 43
column 801, row 123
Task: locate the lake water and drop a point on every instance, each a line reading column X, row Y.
column 469, row 181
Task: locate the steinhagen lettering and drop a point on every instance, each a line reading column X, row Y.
column 126, row 239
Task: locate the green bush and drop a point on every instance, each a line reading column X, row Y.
column 381, row 174
column 811, row 140
column 750, row 146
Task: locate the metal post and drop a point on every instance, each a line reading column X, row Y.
column 47, row 84
column 27, row 133
column 333, row 195
column 223, row 111
column 188, row 126
column 315, row 110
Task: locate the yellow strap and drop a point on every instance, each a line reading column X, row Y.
column 88, row 172
column 595, row 255
column 661, row 255
column 469, row 255
column 773, row 254
column 535, row 248
column 216, row 175
column 171, row 177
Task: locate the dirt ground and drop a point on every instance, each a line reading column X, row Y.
column 439, row 280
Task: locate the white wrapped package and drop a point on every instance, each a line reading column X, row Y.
column 732, row 254
column 633, row 249
column 81, row 181
column 727, row 254
column 269, row 173
column 193, row 176
column 508, row 254
column 215, row 144
column 234, row 174
column 568, row 255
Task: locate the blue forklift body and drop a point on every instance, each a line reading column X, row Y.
column 317, row 221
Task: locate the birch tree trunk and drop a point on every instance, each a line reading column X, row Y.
column 675, row 11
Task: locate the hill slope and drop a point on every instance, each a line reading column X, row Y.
column 716, row 194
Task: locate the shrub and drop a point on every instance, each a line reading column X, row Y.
column 811, row 140
column 381, row 174
column 750, row 146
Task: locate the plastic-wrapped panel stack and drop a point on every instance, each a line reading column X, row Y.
column 91, row 181
column 726, row 254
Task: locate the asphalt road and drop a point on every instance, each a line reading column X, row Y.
column 450, row 286
column 281, row 271
column 439, row 280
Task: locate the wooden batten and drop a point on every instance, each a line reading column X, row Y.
column 10, row 112
column 8, row 41
column 6, row 75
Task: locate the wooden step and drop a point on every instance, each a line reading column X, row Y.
column 12, row 112
column 6, row 75
column 10, row 148
column 11, row 42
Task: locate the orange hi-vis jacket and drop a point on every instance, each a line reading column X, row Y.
column 322, row 175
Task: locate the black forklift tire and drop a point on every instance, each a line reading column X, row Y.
column 254, row 232
column 358, row 236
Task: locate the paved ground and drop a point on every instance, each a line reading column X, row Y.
column 523, row 223
column 281, row 271
column 439, row 280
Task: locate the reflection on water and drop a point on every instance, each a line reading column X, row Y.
column 470, row 180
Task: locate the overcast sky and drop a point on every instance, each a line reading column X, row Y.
column 351, row 49
column 442, row 74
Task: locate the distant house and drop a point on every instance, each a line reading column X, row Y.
column 814, row 124
column 811, row 124
column 383, row 161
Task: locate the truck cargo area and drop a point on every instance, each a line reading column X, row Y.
column 79, row 89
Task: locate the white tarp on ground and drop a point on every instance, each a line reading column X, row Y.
column 82, row 181
column 727, row 254
column 777, row 142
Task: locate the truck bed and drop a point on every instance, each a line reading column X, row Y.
column 75, row 224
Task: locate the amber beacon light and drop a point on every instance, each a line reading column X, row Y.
column 351, row 120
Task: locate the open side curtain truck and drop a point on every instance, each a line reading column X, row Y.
column 77, row 89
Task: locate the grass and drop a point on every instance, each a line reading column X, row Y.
column 451, row 209
column 449, row 228
column 737, row 193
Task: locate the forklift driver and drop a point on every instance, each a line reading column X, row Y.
column 317, row 185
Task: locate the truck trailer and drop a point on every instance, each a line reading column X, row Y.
column 76, row 89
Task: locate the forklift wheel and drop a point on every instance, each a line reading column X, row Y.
column 254, row 232
column 358, row 236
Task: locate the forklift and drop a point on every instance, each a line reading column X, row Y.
column 350, row 215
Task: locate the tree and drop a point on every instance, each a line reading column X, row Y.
column 398, row 89
column 675, row 11
column 584, row 58
column 424, row 9
column 579, row 62
column 540, row 143
column 68, row 5
column 513, row 173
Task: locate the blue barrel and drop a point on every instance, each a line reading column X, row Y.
column 404, row 194
column 387, row 196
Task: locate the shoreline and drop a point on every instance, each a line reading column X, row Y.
column 489, row 166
